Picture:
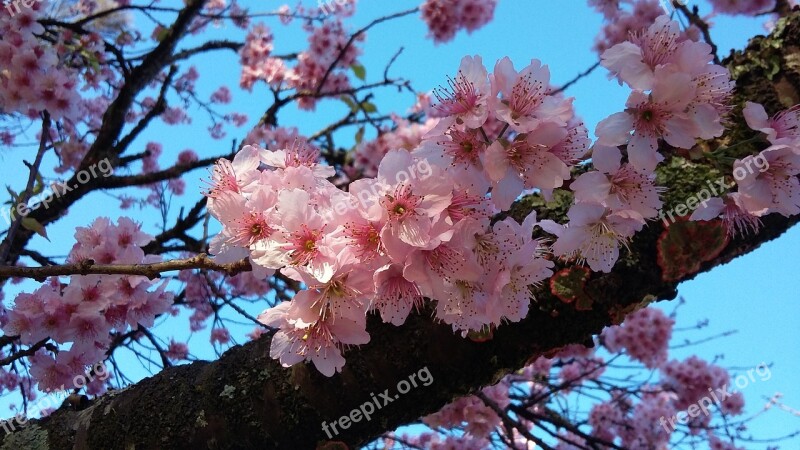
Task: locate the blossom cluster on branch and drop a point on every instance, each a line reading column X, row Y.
column 86, row 309
column 422, row 227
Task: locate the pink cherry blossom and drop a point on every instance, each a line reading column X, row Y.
column 395, row 296
column 465, row 100
column 644, row 335
column 526, row 163
column 783, row 128
column 320, row 341
column 445, row 17
column 594, row 234
column 635, row 61
column 750, row 7
column 662, row 114
column 617, row 186
column 775, row 189
column 737, row 219
column 524, row 102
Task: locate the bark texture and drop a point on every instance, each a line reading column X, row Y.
column 245, row 400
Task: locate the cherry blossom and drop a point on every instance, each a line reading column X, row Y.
column 525, row 103
column 617, row 186
column 594, row 234
column 445, row 17
column 465, row 99
column 783, row 128
column 658, row 115
column 737, row 219
column 775, row 189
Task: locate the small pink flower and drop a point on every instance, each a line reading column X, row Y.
column 593, row 234
column 636, row 60
column 617, row 186
column 737, row 220
column 773, row 188
column 466, row 98
column 220, row 336
column 221, row 95
column 459, row 153
column 177, row 351
column 526, row 163
column 320, row 341
column 662, row 114
column 234, row 176
column 525, row 103
column 395, row 296
column 783, row 128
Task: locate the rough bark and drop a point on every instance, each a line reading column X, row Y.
column 245, row 400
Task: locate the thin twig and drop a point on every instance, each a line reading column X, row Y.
column 694, row 18
column 25, row 195
column 152, row 271
column 352, row 39
column 581, row 75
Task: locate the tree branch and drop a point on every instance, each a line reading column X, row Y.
column 154, row 270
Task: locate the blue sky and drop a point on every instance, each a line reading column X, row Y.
column 754, row 294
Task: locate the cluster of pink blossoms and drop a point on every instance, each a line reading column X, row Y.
column 621, row 22
column 678, row 95
column 631, row 418
column 42, row 75
column 625, row 17
column 325, row 44
column 33, row 77
column 257, row 64
column 767, row 182
column 746, row 7
column 644, row 336
column 420, row 228
column 86, row 309
column 480, row 419
column 446, row 17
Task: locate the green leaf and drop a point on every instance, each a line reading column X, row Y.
column 359, row 71
column 34, row 225
column 39, row 186
column 163, row 34
column 349, row 102
column 369, row 107
column 359, row 135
